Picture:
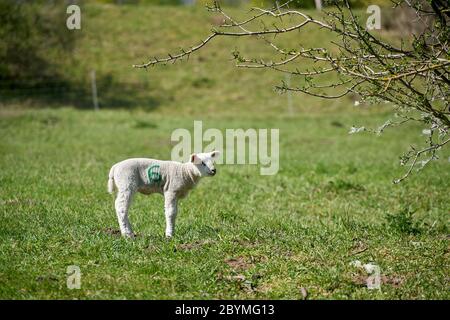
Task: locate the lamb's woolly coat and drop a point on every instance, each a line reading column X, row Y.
column 177, row 179
column 131, row 175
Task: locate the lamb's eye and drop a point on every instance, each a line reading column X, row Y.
column 203, row 164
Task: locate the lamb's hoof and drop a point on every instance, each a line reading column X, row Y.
column 168, row 237
column 130, row 236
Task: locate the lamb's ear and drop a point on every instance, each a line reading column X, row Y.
column 195, row 159
column 215, row 154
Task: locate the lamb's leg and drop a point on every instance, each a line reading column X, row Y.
column 170, row 210
column 123, row 202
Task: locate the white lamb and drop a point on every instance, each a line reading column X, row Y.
column 172, row 179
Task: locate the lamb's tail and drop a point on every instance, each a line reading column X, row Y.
column 111, row 180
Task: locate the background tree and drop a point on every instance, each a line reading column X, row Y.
column 411, row 74
column 34, row 40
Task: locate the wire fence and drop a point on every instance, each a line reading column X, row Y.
column 43, row 90
column 94, row 91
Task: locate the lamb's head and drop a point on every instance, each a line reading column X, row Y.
column 205, row 162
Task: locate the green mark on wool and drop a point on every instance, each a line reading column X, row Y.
column 154, row 174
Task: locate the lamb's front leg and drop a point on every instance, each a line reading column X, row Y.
column 170, row 210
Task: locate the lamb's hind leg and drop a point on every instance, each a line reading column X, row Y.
column 123, row 202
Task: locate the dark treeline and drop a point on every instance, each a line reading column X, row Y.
column 34, row 42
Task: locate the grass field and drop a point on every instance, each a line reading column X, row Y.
column 239, row 235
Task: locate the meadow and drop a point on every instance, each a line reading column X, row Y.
column 239, row 235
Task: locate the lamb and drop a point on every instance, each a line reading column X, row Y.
column 172, row 179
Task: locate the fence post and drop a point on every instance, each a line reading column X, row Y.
column 94, row 90
column 318, row 4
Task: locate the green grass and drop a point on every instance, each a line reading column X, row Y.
column 239, row 234
column 303, row 227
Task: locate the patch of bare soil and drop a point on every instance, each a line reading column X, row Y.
column 112, row 231
column 246, row 243
column 358, row 247
column 241, row 281
column 239, row 263
column 394, row 281
column 193, row 245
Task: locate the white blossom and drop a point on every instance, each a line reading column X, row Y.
column 356, row 130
